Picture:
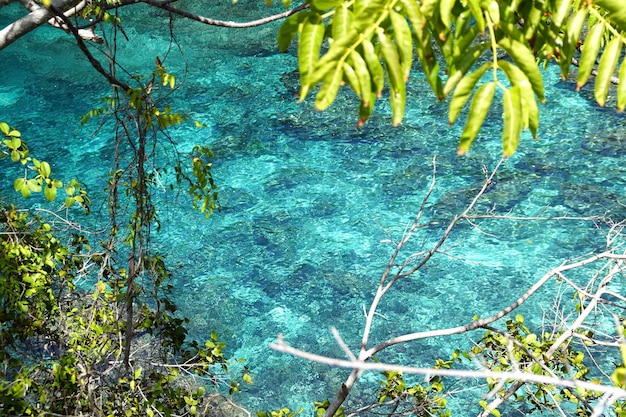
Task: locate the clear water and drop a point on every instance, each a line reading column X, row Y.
column 307, row 200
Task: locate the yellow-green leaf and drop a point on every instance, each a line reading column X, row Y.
column 617, row 11
column 330, row 87
column 478, row 111
column 445, row 11
column 404, row 41
column 44, row 169
column 530, row 111
column 350, row 77
column 512, row 104
column 561, row 9
column 477, row 12
column 462, row 65
column 464, row 90
column 606, row 68
column 574, row 27
column 50, row 192
column 621, row 88
column 591, row 47
column 288, row 30
column 309, row 49
column 362, row 74
column 342, row 21
column 525, row 59
column 397, row 95
column 374, row 65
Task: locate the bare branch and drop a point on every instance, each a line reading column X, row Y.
column 31, row 21
column 166, row 5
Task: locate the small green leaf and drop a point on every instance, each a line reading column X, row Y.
column 289, row 29
column 525, row 59
column 362, row 74
column 478, row 111
column 342, row 21
column 591, row 47
column 50, row 192
column 44, row 169
column 464, row 90
column 309, row 49
column 570, row 41
column 374, row 65
column 395, row 77
column 512, row 104
column 621, row 88
column 330, row 87
column 606, row 68
column 323, row 5
column 404, row 41
column 445, row 11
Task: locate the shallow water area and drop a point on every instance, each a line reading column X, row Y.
column 309, row 203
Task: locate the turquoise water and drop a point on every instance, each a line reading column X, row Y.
column 307, row 200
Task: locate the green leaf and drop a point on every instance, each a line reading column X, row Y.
column 512, row 104
column 342, row 21
column 619, row 377
column 530, row 111
column 570, row 41
column 44, row 169
column 561, row 9
column 478, row 111
column 34, row 185
column 477, row 12
column 445, row 11
column 525, row 59
column 289, row 29
column 494, row 11
column 323, row 5
column 374, row 65
column 309, row 47
column 330, row 87
column 350, row 78
column 464, row 90
column 50, row 192
column 621, row 88
column 617, row 11
column 404, row 41
column 395, row 78
column 591, row 47
column 362, row 75
column 606, row 68
column 462, row 64
column 4, row 128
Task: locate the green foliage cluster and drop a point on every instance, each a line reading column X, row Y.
column 468, row 50
column 14, row 147
column 61, row 345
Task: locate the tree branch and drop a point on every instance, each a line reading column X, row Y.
column 166, row 5
column 31, row 21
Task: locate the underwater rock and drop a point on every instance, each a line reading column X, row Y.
column 590, row 200
column 501, row 196
column 612, row 145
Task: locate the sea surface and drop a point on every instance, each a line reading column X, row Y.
column 309, row 204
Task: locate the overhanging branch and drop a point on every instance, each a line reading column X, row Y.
column 31, row 21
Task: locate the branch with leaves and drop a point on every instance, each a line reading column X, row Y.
column 470, row 51
column 507, row 358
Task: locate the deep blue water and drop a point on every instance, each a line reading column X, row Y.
column 307, row 200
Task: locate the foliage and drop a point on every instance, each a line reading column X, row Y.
column 14, row 147
column 469, row 50
column 62, row 345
